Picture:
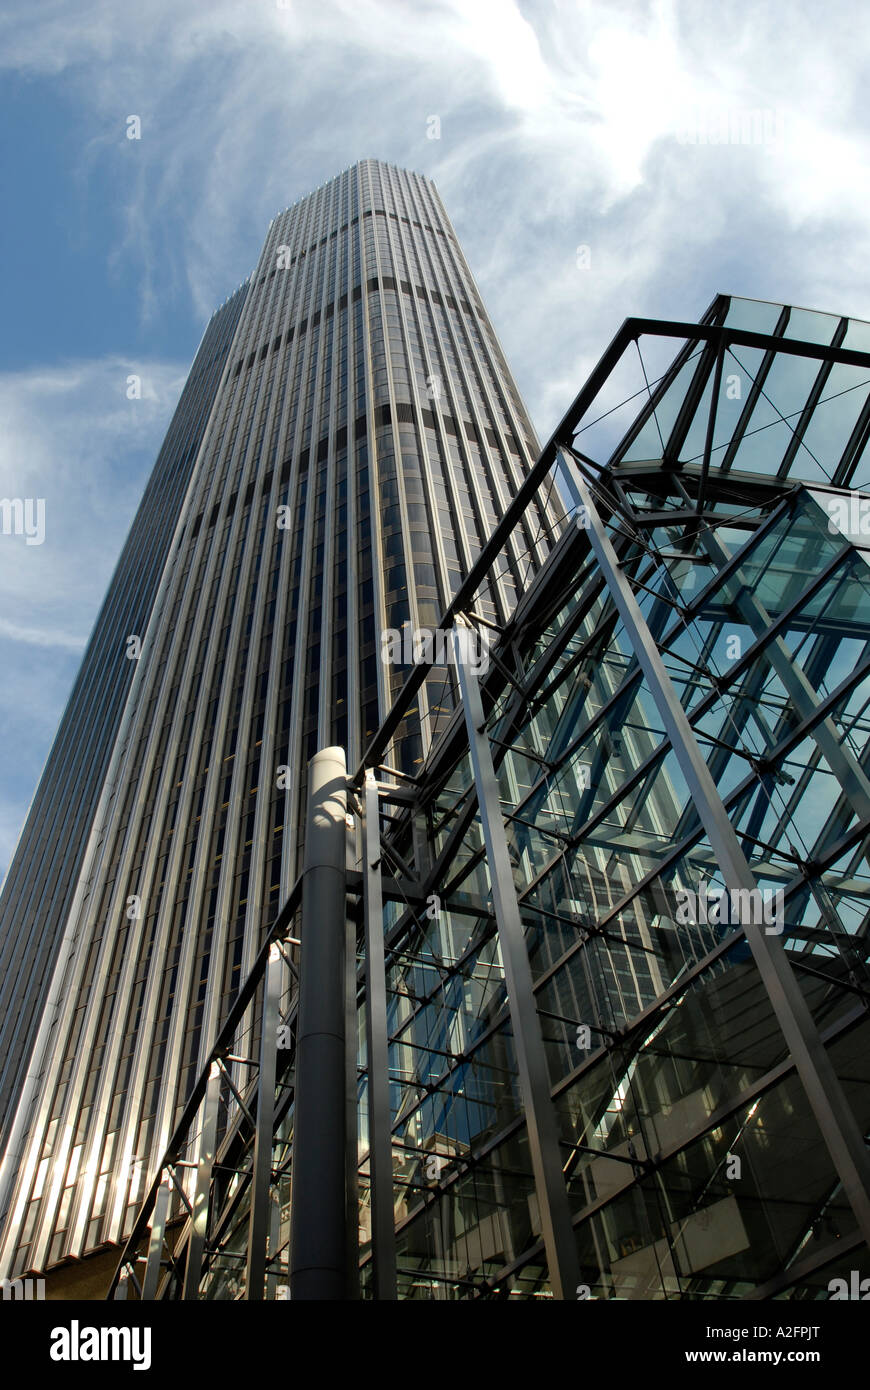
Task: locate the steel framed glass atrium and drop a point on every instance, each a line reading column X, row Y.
column 547, row 1078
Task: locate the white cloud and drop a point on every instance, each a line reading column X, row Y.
column 42, row 637
column 72, row 438
column 559, row 127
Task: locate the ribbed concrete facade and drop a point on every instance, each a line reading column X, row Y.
column 362, row 439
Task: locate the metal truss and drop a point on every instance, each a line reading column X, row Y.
column 459, row 1009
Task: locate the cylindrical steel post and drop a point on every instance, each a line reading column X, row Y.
column 261, row 1197
column 318, row 1248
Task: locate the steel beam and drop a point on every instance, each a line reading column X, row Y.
column 825, row 1094
column 155, row 1243
column 540, row 1115
column 275, row 1278
column 351, row 1092
column 377, row 1057
column 318, row 1239
column 843, row 764
column 255, row 1272
column 204, row 1166
column 223, row 1044
column 632, row 329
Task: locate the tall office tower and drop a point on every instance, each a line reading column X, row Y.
column 349, row 436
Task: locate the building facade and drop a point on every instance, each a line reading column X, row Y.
column 347, row 441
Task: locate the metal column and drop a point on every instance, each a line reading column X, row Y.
column 155, row 1243
column 351, row 1103
column 380, row 1115
column 534, row 1076
column 258, row 1220
column 318, row 1234
column 204, row 1165
column 827, row 1099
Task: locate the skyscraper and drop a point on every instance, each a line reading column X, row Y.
column 347, row 439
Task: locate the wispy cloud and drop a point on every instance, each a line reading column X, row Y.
column 563, row 125
column 42, row 637
column 72, row 440
column 560, row 126
column 71, row 437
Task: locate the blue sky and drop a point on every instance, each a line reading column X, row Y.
column 563, row 123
